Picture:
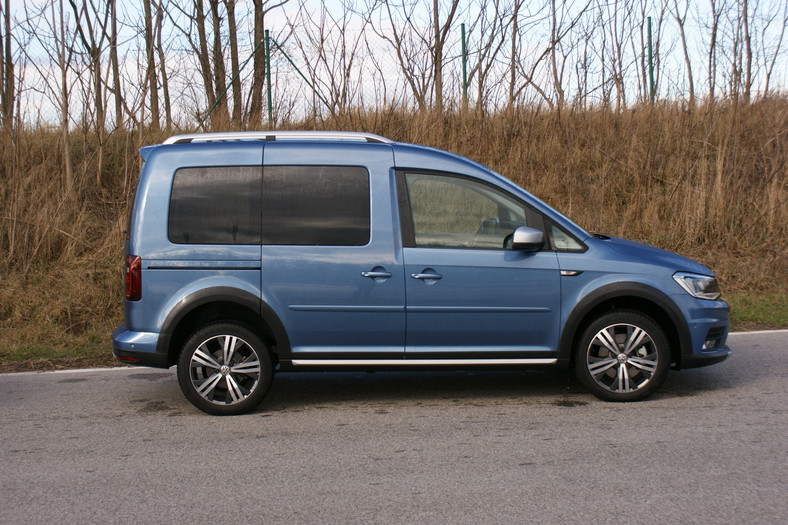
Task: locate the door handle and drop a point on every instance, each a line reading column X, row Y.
column 426, row 276
column 376, row 275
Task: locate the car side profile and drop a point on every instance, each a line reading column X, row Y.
column 259, row 252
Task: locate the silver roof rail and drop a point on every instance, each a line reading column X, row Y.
column 276, row 135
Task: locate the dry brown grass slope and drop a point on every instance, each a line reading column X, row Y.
column 710, row 184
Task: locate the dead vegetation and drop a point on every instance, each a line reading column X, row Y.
column 708, row 183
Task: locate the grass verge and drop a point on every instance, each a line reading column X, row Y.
column 750, row 311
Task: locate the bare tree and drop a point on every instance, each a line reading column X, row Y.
column 616, row 26
column 261, row 7
column 47, row 27
column 92, row 39
column 492, row 23
column 769, row 63
column 529, row 66
column 7, row 82
column 747, row 43
column 515, row 38
column 330, row 48
column 717, row 7
column 196, row 22
column 219, row 72
column 114, row 63
column 680, row 16
column 150, row 60
column 235, row 71
column 409, row 45
column 554, row 43
column 165, row 85
column 645, row 7
column 439, row 43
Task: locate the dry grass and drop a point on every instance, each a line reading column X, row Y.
column 710, row 184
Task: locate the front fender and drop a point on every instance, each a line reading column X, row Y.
column 627, row 295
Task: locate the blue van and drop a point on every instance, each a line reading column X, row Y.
column 250, row 253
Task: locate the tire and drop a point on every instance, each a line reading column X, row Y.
column 623, row 355
column 225, row 369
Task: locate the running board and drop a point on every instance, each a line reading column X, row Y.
column 423, row 362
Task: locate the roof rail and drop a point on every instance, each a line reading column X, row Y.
column 276, row 135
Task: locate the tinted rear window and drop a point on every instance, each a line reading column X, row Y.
column 316, row 205
column 216, row 205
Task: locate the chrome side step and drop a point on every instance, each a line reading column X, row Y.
column 424, row 362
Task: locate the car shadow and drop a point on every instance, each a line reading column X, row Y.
column 300, row 390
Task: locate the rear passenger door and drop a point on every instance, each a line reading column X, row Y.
column 331, row 264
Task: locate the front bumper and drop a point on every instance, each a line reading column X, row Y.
column 137, row 348
column 708, row 323
column 705, row 358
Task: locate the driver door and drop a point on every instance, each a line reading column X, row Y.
column 467, row 296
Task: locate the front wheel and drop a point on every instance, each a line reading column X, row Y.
column 224, row 369
column 622, row 356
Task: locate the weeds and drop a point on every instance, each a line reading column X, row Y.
column 710, row 184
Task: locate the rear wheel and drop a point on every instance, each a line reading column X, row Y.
column 622, row 356
column 224, row 369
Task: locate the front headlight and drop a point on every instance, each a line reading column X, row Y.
column 700, row 286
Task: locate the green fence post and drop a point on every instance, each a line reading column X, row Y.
column 650, row 63
column 464, row 69
column 268, row 78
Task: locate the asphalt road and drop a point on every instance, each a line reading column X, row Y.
column 124, row 446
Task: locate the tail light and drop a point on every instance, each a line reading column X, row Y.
column 132, row 275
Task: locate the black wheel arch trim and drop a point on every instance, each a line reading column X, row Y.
column 221, row 294
column 622, row 290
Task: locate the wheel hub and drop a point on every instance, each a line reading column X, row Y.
column 224, row 370
column 622, row 358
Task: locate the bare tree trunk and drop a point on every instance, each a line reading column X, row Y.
column 204, row 57
column 513, row 61
column 93, row 46
column 492, row 24
column 553, row 63
column 770, row 66
column 219, row 72
column 680, row 19
column 716, row 12
column 736, row 60
column 234, row 63
column 437, row 58
column 747, row 52
column 153, row 86
column 258, row 74
column 441, row 33
column 113, row 59
column 7, row 69
column 408, row 44
column 63, row 64
column 165, row 86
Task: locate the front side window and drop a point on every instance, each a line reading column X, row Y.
column 455, row 212
column 316, row 205
column 563, row 242
column 215, row 205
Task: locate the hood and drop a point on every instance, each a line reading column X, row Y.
column 653, row 255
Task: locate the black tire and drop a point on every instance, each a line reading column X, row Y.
column 623, row 355
column 225, row 369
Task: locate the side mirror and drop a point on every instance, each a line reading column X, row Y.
column 524, row 239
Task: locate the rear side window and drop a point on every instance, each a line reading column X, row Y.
column 316, row 205
column 216, row 205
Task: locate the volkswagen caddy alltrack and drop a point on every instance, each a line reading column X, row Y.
column 250, row 253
